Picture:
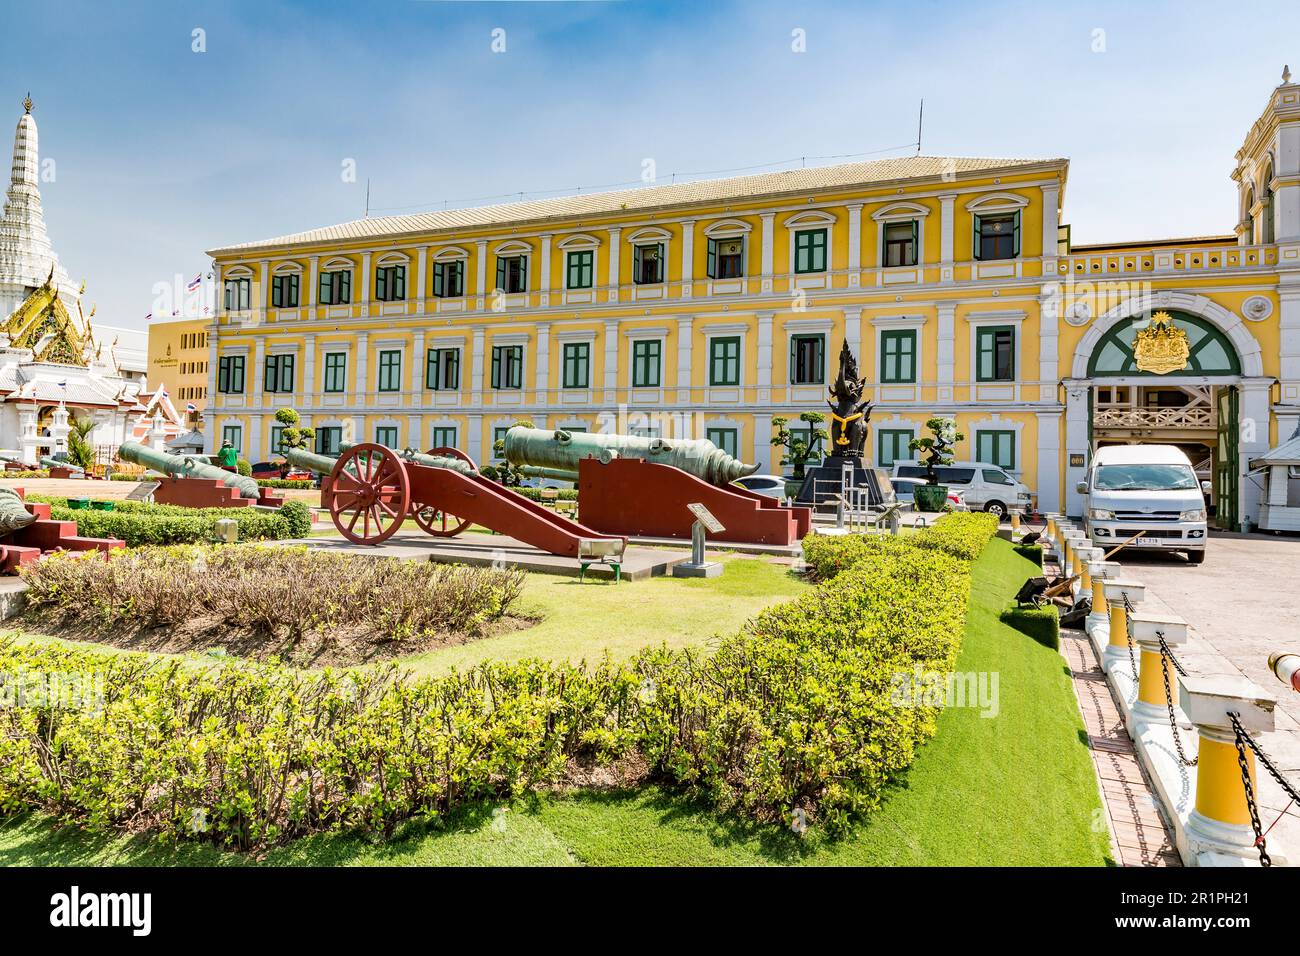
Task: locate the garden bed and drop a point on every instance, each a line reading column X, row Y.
column 304, row 607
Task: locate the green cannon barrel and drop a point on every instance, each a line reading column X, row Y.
column 562, row 450
column 48, row 462
column 554, row 474
column 321, row 464
column 432, row 461
column 181, row 467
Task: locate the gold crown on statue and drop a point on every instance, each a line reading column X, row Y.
column 1161, row 347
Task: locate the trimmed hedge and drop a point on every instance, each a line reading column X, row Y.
column 298, row 483
column 1031, row 552
column 962, row 534
column 140, row 523
column 800, row 711
column 1043, row 624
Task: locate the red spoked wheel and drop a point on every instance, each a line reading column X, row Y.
column 432, row 519
column 370, row 493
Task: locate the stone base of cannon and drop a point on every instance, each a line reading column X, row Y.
column 59, row 471
column 209, row 493
column 44, row 535
column 635, row 498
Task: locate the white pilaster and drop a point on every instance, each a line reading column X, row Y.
column 685, row 333
column 546, row 269
column 853, row 336
column 1051, row 226
column 419, row 364
column 1253, row 438
column 611, row 361
column 306, row 386
column 763, row 443
column 855, row 245
column 688, row 258
column 422, row 278
column 1049, row 339
column 1076, row 443
column 945, row 350
column 768, row 250
column 257, row 370
column 764, row 357
column 262, row 294
column 365, row 283
column 1049, row 462
column 313, row 283
column 946, row 232
column 474, row 440
column 476, row 372
column 480, row 276
column 615, row 254
column 542, row 377
column 363, row 353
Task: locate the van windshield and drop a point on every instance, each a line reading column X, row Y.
column 1145, row 478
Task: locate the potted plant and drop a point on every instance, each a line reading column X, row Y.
column 798, row 452
column 937, row 446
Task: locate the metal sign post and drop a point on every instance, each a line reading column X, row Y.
column 699, row 566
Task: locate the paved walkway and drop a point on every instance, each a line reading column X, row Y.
column 1242, row 603
column 1139, row 836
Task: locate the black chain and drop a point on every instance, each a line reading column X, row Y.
column 1276, row 774
column 1242, row 763
column 1167, row 654
column 1128, row 634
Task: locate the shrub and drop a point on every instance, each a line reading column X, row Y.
column 180, row 526
column 962, row 534
column 297, row 483
column 297, row 517
column 1031, row 552
column 1043, row 624
column 801, row 710
column 284, row 592
column 535, row 494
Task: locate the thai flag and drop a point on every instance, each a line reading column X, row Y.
column 195, row 283
column 162, row 390
column 191, row 407
column 148, row 317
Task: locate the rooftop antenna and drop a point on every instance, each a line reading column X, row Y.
column 920, row 118
column 367, row 197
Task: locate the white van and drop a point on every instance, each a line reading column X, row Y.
column 1150, row 489
column 986, row 487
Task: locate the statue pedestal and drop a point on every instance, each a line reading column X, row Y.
column 823, row 483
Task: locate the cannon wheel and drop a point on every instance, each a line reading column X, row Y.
column 370, row 493
column 430, row 518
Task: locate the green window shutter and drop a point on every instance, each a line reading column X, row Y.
column 916, row 242
column 975, row 240
column 636, row 263
column 439, row 281
column 451, row 376
column 323, row 291
column 794, row 359
column 501, row 273
column 496, row 366
column 431, row 369
column 268, row 373
column 1015, row 234
column 345, row 285
column 711, row 263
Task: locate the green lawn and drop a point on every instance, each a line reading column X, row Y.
column 1017, row 789
column 582, row 620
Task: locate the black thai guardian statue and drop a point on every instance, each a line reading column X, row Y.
column 849, row 411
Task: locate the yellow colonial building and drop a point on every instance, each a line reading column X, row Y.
column 178, row 360
column 710, row 308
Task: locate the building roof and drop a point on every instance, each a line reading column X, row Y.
column 1229, row 239
column 809, row 179
column 1285, row 453
column 132, row 349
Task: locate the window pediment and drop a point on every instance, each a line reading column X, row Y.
column 900, row 211
column 649, row 234
column 810, row 220
column 996, row 203
column 728, row 229
column 579, row 240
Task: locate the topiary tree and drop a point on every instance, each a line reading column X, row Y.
column 799, row 452
column 937, row 445
column 291, row 436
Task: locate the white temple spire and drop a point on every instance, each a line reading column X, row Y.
column 26, row 255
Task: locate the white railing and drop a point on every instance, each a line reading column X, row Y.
column 1193, row 259
column 1188, row 417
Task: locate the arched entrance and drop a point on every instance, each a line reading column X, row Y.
column 1133, row 405
column 1210, row 398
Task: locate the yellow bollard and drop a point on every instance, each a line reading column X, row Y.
column 1147, row 628
column 1220, row 822
column 1116, row 591
column 1015, row 522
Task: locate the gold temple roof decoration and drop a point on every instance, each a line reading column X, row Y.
column 44, row 325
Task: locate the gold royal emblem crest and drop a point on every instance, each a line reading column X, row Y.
column 1161, row 347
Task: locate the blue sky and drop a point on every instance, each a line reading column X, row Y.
column 161, row 152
